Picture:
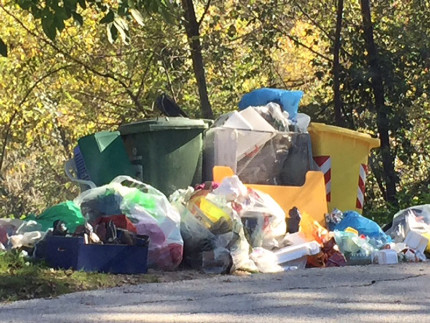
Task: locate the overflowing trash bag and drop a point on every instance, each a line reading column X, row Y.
column 146, row 208
column 220, row 226
column 364, row 226
column 229, row 227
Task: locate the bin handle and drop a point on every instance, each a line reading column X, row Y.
column 70, row 166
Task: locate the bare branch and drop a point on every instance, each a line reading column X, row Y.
column 16, row 111
column 142, row 82
column 84, row 65
column 204, row 13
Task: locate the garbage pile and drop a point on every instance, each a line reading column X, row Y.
column 219, row 225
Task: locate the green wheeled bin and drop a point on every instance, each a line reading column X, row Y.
column 166, row 152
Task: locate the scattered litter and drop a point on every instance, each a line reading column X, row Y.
column 278, row 221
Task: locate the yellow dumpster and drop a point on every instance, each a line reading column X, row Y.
column 342, row 155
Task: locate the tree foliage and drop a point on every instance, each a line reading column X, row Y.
column 64, row 77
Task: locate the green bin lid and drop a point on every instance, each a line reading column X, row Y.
column 163, row 124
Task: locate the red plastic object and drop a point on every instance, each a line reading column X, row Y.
column 120, row 221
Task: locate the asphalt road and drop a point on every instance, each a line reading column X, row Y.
column 393, row 293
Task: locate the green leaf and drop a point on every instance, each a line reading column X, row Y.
column 24, row 4
column 108, row 18
column 49, row 27
column 58, row 23
column 3, row 48
column 78, row 18
column 83, row 4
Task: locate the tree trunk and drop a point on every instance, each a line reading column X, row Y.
column 193, row 34
column 381, row 108
column 336, row 67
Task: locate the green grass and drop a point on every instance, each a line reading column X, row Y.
column 21, row 278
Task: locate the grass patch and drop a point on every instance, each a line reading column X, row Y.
column 21, row 278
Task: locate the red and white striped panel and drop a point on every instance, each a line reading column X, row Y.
column 324, row 164
column 361, row 186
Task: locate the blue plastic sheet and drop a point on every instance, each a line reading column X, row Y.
column 288, row 100
column 364, row 226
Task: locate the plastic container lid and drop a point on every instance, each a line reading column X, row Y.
column 322, row 127
column 163, row 124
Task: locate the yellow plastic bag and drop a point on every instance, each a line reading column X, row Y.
column 312, row 229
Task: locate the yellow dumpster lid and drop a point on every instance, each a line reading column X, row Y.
column 322, row 127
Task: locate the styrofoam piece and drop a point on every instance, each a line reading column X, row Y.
column 416, row 241
column 248, row 119
column 299, row 263
column 387, row 257
column 294, row 252
column 399, row 246
column 256, row 131
column 294, row 238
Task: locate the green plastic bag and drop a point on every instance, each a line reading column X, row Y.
column 67, row 212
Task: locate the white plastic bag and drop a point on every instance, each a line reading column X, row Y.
column 265, row 260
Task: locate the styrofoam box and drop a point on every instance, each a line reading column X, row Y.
column 387, row 257
column 297, row 251
column 416, row 241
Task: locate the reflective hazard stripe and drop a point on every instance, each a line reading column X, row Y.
column 324, row 164
column 361, row 186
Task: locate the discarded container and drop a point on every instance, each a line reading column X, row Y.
column 287, row 254
column 308, row 198
column 100, row 157
column 387, row 257
column 342, row 156
column 259, row 157
column 72, row 252
column 416, row 241
column 166, row 152
column 358, row 259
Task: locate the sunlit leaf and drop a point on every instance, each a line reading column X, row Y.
column 137, row 16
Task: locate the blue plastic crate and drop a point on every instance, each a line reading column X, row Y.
column 72, row 252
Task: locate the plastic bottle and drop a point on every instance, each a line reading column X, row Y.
column 359, row 259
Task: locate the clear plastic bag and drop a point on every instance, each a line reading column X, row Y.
column 147, row 208
column 415, row 218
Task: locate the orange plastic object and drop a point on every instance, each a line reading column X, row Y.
column 312, row 229
column 309, row 198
